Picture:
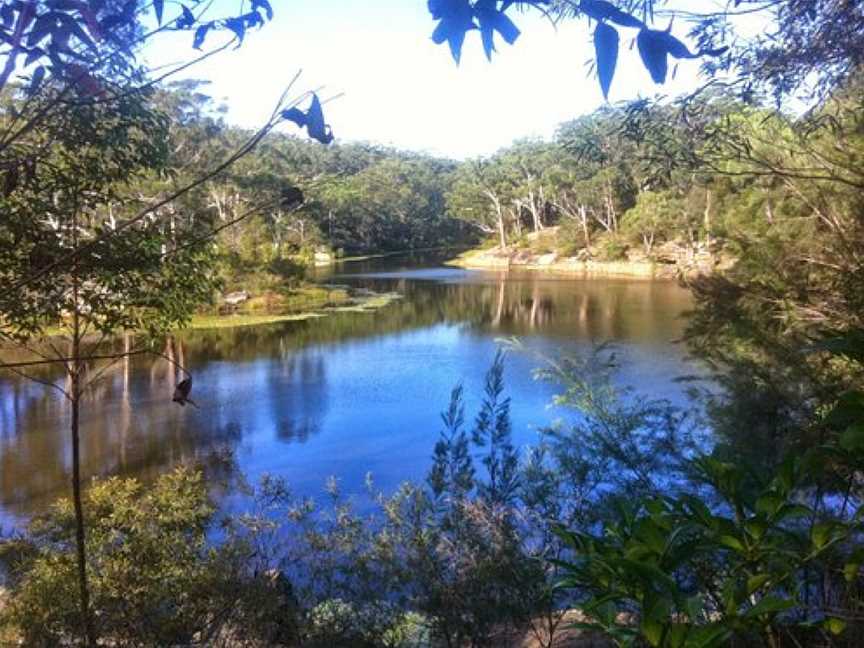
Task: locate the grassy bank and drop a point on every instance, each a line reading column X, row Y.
column 301, row 304
column 234, row 320
column 272, row 307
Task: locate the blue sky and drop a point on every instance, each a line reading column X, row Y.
column 403, row 90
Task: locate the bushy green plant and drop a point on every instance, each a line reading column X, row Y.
column 156, row 579
column 612, row 247
column 542, row 244
column 479, row 574
column 645, row 223
column 338, row 624
column 613, row 443
column 570, row 240
column 747, row 559
column 288, row 269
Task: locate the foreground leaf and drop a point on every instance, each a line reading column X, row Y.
column 606, row 41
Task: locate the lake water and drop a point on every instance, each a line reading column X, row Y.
column 343, row 395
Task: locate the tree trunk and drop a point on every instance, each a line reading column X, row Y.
column 611, row 215
column 708, row 219
column 126, row 404
column 75, row 398
column 583, row 217
column 501, row 233
column 535, row 212
column 84, row 589
column 542, row 208
column 499, row 214
column 648, row 243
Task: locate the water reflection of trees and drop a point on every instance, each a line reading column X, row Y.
column 133, row 430
column 136, row 430
column 301, row 399
column 640, row 312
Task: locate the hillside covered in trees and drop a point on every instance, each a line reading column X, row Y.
column 353, row 198
column 652, row 183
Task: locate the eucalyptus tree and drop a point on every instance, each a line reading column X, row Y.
column 649, row 218
column 368, row 200
column 482, row 195
column 605, row 184
column 570, row 201
column 525, row 163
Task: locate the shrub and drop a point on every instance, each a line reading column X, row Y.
column 542, row 243
column 289, row 269
column 753, row 561
column 338, row 624
column 155, row 578
column 612, row 247
column 570, row 242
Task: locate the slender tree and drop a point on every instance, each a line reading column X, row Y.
column 82, row 256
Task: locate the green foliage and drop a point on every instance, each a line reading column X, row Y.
column 618, row 445
column 607, row 179
column 645, row 222
column 693, row 577
column 155, row 579
column 392, row 201
column 452, row 472
column 492, row 432
column 475, row 573
column 749, row 557
column 797, row 278
column 337, row 624
column 612, row 248
column 74, row 198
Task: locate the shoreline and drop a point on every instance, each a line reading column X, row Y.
column 383, row 255
column 496, row 259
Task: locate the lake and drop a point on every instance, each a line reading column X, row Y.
column 344, row 395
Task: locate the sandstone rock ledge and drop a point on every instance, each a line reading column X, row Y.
column 506, row 260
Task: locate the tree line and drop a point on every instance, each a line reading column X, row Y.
column 290, row 198
column 638, row 181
